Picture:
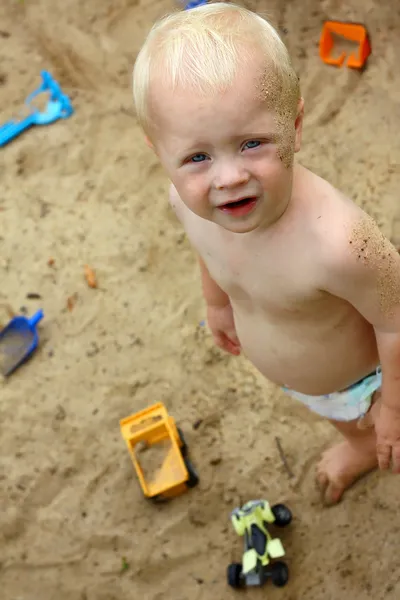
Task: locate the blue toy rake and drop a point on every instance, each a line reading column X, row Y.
column 58, row 107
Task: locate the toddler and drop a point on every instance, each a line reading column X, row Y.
column 294, row 273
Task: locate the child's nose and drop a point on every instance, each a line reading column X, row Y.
column 230, row 175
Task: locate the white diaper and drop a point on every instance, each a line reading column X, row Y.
column 347, row 405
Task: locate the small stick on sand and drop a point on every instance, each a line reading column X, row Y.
column 283, row 458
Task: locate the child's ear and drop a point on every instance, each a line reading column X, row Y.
column 299, row 125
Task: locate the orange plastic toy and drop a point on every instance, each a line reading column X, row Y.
column 159, row 453
column 350, row 31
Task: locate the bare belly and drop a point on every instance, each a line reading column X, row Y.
column 310, row 356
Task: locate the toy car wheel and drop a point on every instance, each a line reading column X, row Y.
column 282, row 514
column 184, row 446
column 234, row 575
column 279, row 573
column 193, row 478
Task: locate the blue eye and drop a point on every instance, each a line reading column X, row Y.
column 252, row 144
column 198, row 158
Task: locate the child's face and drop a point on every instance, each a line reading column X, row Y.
column 227, row 155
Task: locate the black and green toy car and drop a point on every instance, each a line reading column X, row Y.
column 260, row 549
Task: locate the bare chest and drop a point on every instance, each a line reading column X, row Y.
column 273, row 275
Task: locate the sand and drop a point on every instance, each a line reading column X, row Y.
column 73, row 522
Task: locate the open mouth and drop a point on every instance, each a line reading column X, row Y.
column 238, row 203
column 239, row 207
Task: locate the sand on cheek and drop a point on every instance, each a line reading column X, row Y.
column 284, row 104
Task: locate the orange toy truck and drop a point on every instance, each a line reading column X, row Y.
column 159, row 453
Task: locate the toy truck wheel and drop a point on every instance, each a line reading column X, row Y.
column 184, row 447
column 282, row 514
column 158, row 499
column 279, row 573
column 193, row 478
column 234, row 575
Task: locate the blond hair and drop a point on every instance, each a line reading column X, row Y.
column 201, row 49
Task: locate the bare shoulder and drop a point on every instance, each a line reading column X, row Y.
column 359, row 263
column 176, row 202
column 328, row 216
column 340, row 237
column 353, row 247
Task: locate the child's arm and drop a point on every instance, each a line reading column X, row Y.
column 213, row 294
column 219, row 310
column 219, row 313
column 364, row 269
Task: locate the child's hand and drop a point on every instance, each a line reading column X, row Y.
column 387, row 427
column 222, row 325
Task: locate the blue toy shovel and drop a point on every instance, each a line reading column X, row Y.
column 58, row 107
column 18, row 340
